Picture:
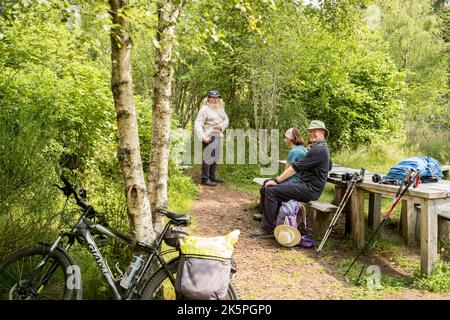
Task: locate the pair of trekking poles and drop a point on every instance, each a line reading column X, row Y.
column 412, row 178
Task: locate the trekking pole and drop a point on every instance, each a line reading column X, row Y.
column 348, row 192
column 411, row 178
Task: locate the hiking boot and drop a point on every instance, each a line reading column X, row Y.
column 217, row 180
column 261, row 233
column 209, row 183
column 257, row 216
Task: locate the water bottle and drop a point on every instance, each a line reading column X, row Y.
column 135, row 265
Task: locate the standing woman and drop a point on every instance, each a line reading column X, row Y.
column 210, row 124
column 294, row 141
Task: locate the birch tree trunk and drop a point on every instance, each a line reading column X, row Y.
column 168, row 12
column 139, row 211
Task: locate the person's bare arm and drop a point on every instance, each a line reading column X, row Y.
column 289, row 172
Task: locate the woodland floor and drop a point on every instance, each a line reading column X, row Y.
column 267, row 270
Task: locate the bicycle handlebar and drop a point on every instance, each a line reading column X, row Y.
column 69, row 189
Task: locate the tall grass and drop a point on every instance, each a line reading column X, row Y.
column 379, row 156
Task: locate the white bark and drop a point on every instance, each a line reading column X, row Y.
column 168, row 13
column 139, row 211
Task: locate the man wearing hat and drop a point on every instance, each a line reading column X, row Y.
column 314, row 172
column 210, row 124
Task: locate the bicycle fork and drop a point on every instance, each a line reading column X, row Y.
column 53, row 266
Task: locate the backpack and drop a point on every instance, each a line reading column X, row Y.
column 204, row 271
column 430, row 169
column 288, row 210
column 288, row 214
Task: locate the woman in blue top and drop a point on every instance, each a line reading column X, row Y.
column 294, row 141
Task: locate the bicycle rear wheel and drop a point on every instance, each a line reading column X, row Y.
column 161, row 280
column 22, row 279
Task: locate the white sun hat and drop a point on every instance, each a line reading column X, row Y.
column 287, row 235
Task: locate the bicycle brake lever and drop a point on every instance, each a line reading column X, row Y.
column 60, row 188
column 66, row 190
column 82, row 194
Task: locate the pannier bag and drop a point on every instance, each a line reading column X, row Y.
column 204, row 272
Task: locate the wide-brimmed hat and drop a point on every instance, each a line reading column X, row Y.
column 214, row 93
column 317, row 124
column 286, row 235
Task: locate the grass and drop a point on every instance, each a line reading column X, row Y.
column 377, row 157
column 240, row 177
column 439, row 281
column 372, row 284
column 181, row 193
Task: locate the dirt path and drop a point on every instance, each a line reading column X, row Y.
column 268, row 271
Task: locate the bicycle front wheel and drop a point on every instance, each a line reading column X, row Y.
column 22, row 277
column 160, row 280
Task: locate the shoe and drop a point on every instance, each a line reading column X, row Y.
column 209, row 183
column 217, row 180
column 257, row 216
column 261, row 233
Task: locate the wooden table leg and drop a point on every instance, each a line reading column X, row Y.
column 408, row 222
column 357, row 217
column 338, row 194
column 428, row 237
column 374, row 218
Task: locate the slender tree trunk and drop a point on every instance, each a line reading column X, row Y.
column 168, row 12
column 139, row 212
column 255, row 109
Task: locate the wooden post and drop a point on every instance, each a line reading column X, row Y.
column 408, row 222
column 313, row 215
column 322, row 221
column 428, row 237
column 357, row 217
column 337, row 194
column 374, row 210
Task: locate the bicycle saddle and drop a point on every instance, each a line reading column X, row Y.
column 174, row 216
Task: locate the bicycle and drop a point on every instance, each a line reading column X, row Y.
column 48, row 271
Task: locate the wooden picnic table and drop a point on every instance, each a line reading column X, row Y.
column 433, row 198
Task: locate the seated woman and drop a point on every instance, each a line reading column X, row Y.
column 294, row 141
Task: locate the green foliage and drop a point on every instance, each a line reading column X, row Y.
column 439, row 281
column 418, row 44
column 240, row 176
column 367, row 287
column 378, row 157
column 181, row 191
column 26, row 174
column 382, row 92
column 55, row 113
column 303, row 65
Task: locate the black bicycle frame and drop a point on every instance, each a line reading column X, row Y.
column 82, row 229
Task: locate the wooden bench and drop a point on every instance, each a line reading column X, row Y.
column 410, row 224
column 320, row 212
